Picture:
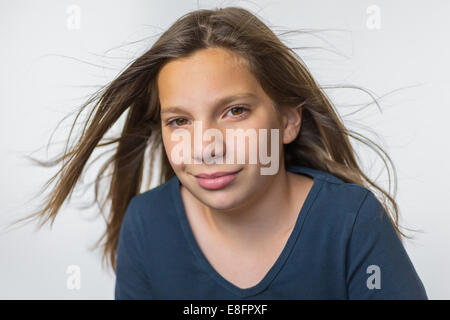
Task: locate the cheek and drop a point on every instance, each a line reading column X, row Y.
column 166, row 142
column 268, row 141
column 169, row 145
column 265, row 117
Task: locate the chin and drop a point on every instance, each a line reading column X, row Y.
column 221, row 200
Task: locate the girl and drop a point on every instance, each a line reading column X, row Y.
column 302, row 225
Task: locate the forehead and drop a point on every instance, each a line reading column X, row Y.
column 205, row 75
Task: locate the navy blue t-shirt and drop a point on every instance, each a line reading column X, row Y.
column 343, row 246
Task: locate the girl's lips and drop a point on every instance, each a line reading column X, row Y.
column 218, row 182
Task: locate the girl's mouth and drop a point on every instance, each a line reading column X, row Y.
column 217, row 182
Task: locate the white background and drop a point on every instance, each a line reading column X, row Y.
column 48, row 69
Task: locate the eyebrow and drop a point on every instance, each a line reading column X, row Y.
column 221, row 101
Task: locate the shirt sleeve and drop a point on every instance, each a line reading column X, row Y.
column 131, row 280
column 378, row 266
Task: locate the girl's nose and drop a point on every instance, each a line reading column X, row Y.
column 208, row 144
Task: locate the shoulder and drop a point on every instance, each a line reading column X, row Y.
column 161, row 191
column 152, row 204
column 339, row 194
column 337, row 204
column 354, row 198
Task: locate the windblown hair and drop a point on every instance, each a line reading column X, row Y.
column 322, row 143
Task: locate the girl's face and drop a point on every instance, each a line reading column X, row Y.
column 191, row 92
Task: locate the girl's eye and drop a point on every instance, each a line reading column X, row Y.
column 237, row 111
column 178, row 121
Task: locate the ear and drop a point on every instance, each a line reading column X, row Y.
column 292, row 120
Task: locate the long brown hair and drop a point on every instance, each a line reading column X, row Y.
column 322, row 143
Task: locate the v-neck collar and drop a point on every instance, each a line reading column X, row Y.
column 276, row 267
